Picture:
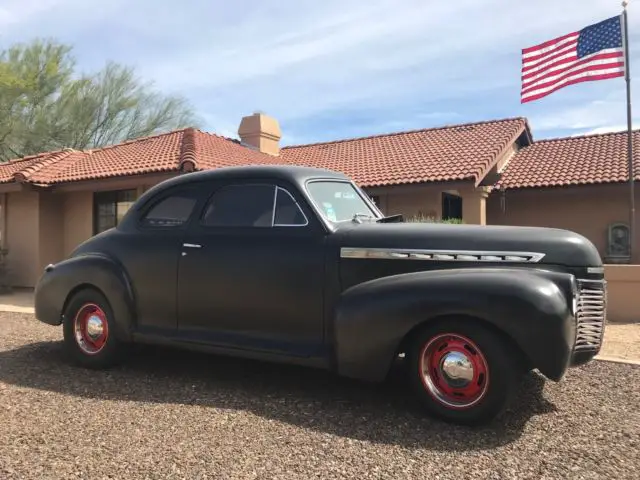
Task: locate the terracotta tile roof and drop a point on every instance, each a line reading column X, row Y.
column 161, row 153
column 583, row 160
column 9, row 169
column 458, row 152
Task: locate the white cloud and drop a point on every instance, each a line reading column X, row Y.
column 605, row 129
column 17, row 12
column 606, row 113
column 304, row 59
column 28, row 18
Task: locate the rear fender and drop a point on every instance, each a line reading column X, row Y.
column 531, row 307
column 60, row 281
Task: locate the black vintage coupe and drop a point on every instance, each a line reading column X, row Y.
column 298, row 265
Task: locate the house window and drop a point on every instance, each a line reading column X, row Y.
column 110, row 207
column 451, row 206
column 375, row 199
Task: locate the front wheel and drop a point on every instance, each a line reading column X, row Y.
column 463, row 372
column 89, row 331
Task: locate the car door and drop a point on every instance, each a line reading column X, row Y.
column 150, row 252
column 251, row 272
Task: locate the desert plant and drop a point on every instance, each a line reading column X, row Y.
column 420, row 218
column 46, row 103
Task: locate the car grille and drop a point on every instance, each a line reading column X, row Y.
column 591, row 315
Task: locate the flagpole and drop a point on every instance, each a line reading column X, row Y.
column 627, row 77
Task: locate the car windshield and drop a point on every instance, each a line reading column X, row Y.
column 339, row 201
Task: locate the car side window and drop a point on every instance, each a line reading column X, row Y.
column 257, row 205
column 172, row 211
column 241, row 206
column 288, row 212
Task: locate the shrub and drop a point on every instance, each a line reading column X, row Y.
column 427, row 219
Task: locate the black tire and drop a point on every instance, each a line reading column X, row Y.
column 489, row 392
column 106, row 352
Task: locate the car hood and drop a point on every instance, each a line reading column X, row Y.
column 560, row 247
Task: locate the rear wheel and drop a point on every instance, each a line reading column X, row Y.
column 89, row 331
column 463, row 372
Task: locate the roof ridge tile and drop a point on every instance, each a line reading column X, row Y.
column 139, row 139
column 212, row 134
column 33, row 156
column 188, row 151
column 93, row 150
column 409, row 132
column 23, row 175
column 586, row 135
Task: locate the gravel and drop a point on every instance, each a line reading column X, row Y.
column 170, row 414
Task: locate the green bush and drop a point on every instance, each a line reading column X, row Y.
column 426, row 219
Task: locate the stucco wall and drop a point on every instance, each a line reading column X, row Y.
column 45, row 227
column 22, row 237
column 426, row 203
column 587, row 210
column 623, row 285
column 77, row 219
column 51, row 231
column 420, row 200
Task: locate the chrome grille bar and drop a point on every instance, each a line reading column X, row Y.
column 590, row 315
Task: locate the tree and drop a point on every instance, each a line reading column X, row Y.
column 45, row 106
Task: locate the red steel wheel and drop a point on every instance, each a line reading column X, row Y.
column 91, row 329
column 454, row 371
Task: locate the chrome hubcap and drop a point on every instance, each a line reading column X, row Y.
column 95, row 327
column 454, row 371
column 457, row 369
column 91, row 329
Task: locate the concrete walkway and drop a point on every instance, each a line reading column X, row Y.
column 621, row 341
column 19, row 301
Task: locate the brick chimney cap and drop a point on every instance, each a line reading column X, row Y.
column 261, row 131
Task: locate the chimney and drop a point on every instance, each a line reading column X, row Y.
column 261, row 132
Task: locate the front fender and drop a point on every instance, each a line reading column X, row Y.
column 89, row 270
column 532, row 307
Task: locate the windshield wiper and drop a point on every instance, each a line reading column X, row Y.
column 391, row 219
column 357, row 216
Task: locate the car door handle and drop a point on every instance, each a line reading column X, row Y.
column 191, row 245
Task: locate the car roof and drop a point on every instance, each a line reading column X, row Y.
column 293, row 173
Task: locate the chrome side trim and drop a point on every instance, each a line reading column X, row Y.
column 442, row 255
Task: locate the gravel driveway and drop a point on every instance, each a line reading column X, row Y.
column 169, row 414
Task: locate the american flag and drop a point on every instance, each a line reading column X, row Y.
column 593, row 53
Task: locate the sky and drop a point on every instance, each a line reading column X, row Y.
column 339, row 68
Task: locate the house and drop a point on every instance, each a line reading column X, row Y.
column 484, row 172
column 578, row 183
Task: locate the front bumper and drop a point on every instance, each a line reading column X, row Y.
column 591, row 319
